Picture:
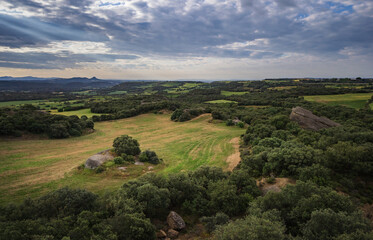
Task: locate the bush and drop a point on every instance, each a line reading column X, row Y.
column 118, row 160
column 185, row 117
column 128, row 158
column 126, row 144
column 149, row 156
column 229, row 122
column 100, row 169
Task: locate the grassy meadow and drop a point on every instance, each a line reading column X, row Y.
column 32, row 167
column 228, row 93
column 353, row 100
column 79, row 113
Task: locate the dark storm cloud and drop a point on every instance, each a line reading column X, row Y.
column 18, row 32
column 202, row 29
column 55, row 61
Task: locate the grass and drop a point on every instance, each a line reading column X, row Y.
column 221, row 101
column 353, row 100
column 43, row 104
column 17, row 103
column 282, row 88
column 228, row 93
column 117, row 92
column 30, row 168
column 79, row 113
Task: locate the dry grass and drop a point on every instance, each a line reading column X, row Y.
column 31, row 167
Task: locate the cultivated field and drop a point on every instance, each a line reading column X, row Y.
column 353, row 100
column 33, row 167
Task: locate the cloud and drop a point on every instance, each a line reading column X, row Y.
column 170, row 29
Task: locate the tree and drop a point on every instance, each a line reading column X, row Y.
column 126, row 144
column 155, row 199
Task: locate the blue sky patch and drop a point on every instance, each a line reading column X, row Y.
column 103, row 4
column 340, row 8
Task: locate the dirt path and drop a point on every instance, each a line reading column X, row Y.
column 235, row 158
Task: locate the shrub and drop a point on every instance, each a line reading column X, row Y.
column 128, row 158
column 149, row 156
column 229, row 122
column 118, row 160
column 241, row 124
column 100, row 169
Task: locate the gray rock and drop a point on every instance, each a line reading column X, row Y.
column 175, row 221
column 98, row 159
column 137, row 162
column 307, row 120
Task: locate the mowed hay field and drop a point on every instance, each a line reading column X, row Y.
column 30, row 168
column 353, row 100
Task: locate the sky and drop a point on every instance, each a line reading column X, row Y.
column 190, row 39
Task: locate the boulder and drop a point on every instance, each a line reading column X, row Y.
column 175, row 221
column 98, row 159
column 172, row 233
column 307, row 120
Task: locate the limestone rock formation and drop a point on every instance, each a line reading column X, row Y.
column 307, row 120
column 98, row 159
column 175, row 221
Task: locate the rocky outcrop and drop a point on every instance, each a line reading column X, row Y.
column 307, row 120
column 98, row 159
column 175, row 221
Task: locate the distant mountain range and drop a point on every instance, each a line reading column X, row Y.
column 53, row 84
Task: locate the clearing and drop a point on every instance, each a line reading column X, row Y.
column 30, row 168
column 353, row 100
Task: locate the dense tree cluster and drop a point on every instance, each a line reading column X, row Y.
column 129, row 106
column 27, row 118
column 334, row 156
column 304, row 211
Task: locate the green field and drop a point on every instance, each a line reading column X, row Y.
column 30, row 168
column 43, row 104
column 17, row 103
column 228, row 93
column 221, row 101
column 353, row 100
column 79, row 113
